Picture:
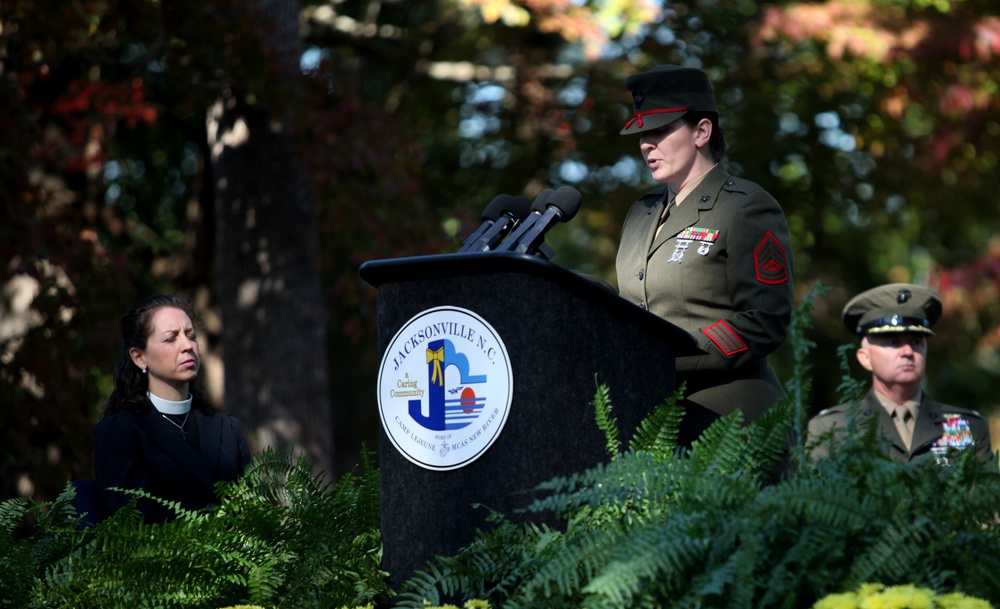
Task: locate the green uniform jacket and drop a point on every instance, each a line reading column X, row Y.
column 937, row 426
column 721, row 268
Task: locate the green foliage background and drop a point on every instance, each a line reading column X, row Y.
column 875, row 123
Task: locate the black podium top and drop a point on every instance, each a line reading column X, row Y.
column 416, row 268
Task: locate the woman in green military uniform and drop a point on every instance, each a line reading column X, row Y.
column 708, row 252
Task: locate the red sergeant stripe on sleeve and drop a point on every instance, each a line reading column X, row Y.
column 725, row 338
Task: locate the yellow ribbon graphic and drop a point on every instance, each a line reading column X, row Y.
column 438, row 358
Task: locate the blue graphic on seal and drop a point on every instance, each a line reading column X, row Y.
column 444, row 388
column 448, row 413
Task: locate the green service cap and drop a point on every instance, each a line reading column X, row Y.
column 893, row 308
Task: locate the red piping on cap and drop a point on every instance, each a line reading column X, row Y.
column 638, row 115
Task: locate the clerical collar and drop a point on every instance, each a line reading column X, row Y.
column 169, row 407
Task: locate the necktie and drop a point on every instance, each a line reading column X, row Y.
column 663, row 216
column 904, row 423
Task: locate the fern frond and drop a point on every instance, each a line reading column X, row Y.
column 606, row 421
column 644, row 555
column 12, row 513
column 719, row 449
column 493, row 567
column 797, row 571
column 728, row 579
column 658, row 432
column 634, row 479
column 889, row 556
column 575, row 564
column 768, row 439
column 422, row 588
column 850, row 390
column 816, row 502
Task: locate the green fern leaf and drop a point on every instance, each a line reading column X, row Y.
column 606, row 422
column 658, row 433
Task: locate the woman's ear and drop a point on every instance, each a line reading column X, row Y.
column 702, row 133
column 137, row 358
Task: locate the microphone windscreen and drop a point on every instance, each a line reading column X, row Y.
column 518, row 207
column 542, row 200
column 496, row 208
column 567, row 200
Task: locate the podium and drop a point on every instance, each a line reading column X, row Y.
column 563, row 335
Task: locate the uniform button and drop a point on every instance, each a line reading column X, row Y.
column 642, row 305
column 642, row 273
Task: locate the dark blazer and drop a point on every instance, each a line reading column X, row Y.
column 928, row 431
column 144, row 451
column 720, row 268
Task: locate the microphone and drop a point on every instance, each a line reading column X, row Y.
column 513, row 211
column 547, row 211
column 489, row 217
column 532, row 214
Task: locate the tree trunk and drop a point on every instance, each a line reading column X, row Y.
column 273, row 335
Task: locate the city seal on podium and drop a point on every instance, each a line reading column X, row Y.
column 444, row 388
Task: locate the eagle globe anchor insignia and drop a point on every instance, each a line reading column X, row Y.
column 461, row 361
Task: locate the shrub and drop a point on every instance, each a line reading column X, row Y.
column 280, row 535
column 660, row 526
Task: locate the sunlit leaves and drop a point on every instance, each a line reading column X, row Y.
column 504, row 11
column 593, row 23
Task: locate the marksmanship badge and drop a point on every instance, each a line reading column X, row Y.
column 956, row 433
column 705, row 236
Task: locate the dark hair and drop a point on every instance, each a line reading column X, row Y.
column 131, row 385
column 717, row 142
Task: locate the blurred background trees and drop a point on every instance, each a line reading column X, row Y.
column 251, row 155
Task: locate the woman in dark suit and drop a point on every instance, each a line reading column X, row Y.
column 708, row 251
column 156, row 434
